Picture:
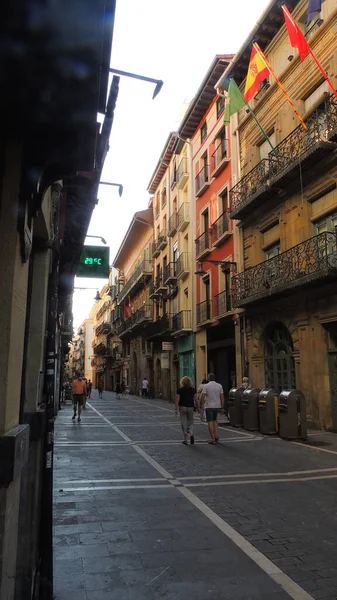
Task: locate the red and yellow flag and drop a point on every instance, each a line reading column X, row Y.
column 257, row 72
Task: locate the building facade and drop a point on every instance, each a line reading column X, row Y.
column 134, row 312
column 284, row 204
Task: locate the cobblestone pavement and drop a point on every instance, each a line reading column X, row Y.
column 138, row 515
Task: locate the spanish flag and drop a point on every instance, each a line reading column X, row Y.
column 257, row 72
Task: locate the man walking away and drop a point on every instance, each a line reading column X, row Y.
column 100, row 388
column 185, row 402
column 89, row 388
column 79, row 392
column 213, row 392
column 145, row 387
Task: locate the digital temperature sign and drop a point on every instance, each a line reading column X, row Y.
column 94, row 262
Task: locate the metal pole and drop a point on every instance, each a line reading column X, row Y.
column 46, row 523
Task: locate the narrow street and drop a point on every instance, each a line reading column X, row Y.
column 138, row 515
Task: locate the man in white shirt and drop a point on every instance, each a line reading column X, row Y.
column 145, row 387
column 213, row 392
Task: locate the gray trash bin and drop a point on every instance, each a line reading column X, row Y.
column 250, row 399
column 268, row 411
column 292, row 415
column 235, row 411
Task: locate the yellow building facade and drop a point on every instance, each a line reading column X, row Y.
column 284, row 205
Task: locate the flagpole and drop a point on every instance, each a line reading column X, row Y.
column 272, row 72
column 255, row 118
column 324, row 73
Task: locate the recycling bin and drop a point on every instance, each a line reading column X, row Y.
column 268, row 411
column 250, row 399
column 235, row 411
column 292, row 415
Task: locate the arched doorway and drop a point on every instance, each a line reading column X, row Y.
column 279, row 364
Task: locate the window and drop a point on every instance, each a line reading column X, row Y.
column 265, row 148
column 223, row 201
column 272, row 251
column 163, row 195
column 205, row 221
column 220, row 106
column 203, row 132
column 279, row 361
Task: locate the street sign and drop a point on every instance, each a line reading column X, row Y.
column 165, row 360
column 167, row 346
column 94, row 262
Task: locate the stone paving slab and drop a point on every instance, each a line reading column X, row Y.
column 123, row 540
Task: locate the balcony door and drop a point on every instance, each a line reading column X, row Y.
column 279, row 361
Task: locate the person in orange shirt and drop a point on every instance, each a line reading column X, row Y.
column 79, row 392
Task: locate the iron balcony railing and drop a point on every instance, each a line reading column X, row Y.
column 203, row 243
column 145, row 313
column 170, row 272
column 172, row 224
column 242, row 193
column 182, row 321
column 182, row 171
column 103, row 328
column 299, row 146
column 219, row 154
column 314, row 259
column 202, row 179
column 183, row 263
column 162, row 326
column 144, row 268
column 183, row 215
column 222, row 304
column 220, row 227
column 203, row 312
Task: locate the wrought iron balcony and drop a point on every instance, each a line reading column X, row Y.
column 203, row 245
column 300, row 148
column 204, row 312
column 182, row 322
column 183, row 217
column 170, row 273
column 103, row 328
column 255, row 184
column 162, row 240
column 159, row 284
column 159, row 329
column 222, row 304
column 142, row 271
column 182, row 173
column 221, row 229
column 183, row 265
column 172, row 224
column 155, row 249
column 220, row 158
column 136, row 321
column 202, row 181
column 310, row 261
column 153, row 292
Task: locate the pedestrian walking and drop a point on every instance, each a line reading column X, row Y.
column 145, row 387
column 79, row 391
column 200, row 400
column 213, row 393
column 185, row 399
column 100, row 387
column 118, row 390
column 89, row 388
column 86, row 394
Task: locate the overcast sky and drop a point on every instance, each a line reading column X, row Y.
column 172, row 40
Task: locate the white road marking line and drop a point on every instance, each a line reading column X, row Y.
column 260, row 481
column 94, row 481
column 292, row 588
column 154, row 463
column 117, row 487
column 241, row 475
column 160, row 574
column 125, row 437
column 315, row 448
